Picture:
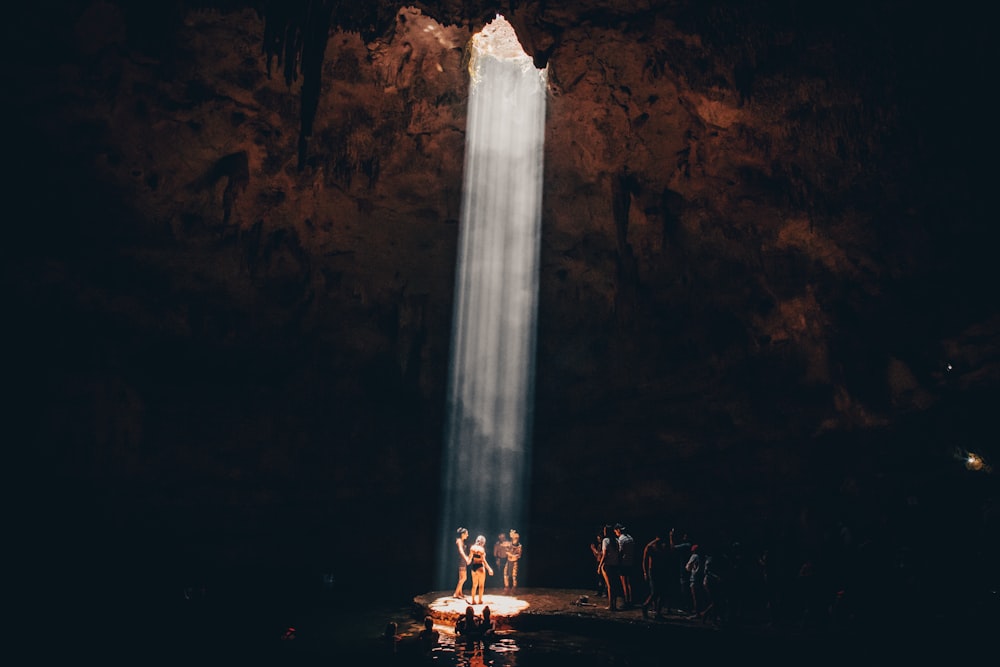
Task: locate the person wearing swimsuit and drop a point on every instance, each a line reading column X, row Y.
column 480, row 567
column 461, row 535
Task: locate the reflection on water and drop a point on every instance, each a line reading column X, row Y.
column 355, row 636
column 499, row 652
column 351, row 631
column 513, row 649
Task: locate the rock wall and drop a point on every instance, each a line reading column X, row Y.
column 760, row 255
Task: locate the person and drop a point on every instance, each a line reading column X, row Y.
column 607, row 566
column 514, row 551
column 461, row 535
column 429, row 636
column 714, row 571
column 466, row 625
column 680, row 549
column 480, row 567
column 656, row 573
column 390, row 631
column 595, row 549
column 389, row 638
column 486, row 626
column 500, row 552
column 626, row 562
column 694, row 568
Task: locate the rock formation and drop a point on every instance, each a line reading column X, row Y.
column 767, row 275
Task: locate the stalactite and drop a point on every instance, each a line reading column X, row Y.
column 296, row 33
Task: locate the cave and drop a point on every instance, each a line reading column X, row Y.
column 766, row 292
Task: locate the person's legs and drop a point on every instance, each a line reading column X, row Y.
column 507, row 567
column 461, row 582
column 650, row 600
column 478, row 584
column 708, row 601
column 626, row 582
column 513, row 573
column 610, row 577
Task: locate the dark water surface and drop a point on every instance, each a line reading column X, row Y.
column 244, row 623
column 330, row 636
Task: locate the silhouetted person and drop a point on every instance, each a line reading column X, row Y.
column 627, row 560
column 486, row 626
column 680, row 550
column 389, row 638
column 462, row 534
column 466, row 625
column 714, row 573
column 657, row 573
column 607, row 566
column 429, row 636
column 595, row 549
column 693, row 567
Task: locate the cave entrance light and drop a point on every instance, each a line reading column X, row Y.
column 486, row 462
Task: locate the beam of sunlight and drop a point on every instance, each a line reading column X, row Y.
column 485, row 468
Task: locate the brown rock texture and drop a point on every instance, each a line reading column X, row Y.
column 766, row 282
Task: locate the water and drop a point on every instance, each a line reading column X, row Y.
column 344, row 627
column 355, row 636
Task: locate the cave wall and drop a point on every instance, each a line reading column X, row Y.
column 236, row 287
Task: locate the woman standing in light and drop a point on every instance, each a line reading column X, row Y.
column 461, row 535
column 480, row 567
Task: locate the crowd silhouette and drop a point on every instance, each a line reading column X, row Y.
column 815, row 572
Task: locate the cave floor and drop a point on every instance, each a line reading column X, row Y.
column 550, row 607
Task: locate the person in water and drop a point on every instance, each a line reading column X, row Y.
column 429, row 636
column 480, row 567
column 466, row 625
column 486, row 626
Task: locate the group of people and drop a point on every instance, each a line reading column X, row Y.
column 615, row 563
column 473, row 562
column 698, row 576
column 471, row 628
column 618, row 567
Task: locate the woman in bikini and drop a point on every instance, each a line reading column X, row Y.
column 480, row 567
column 461, row 535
